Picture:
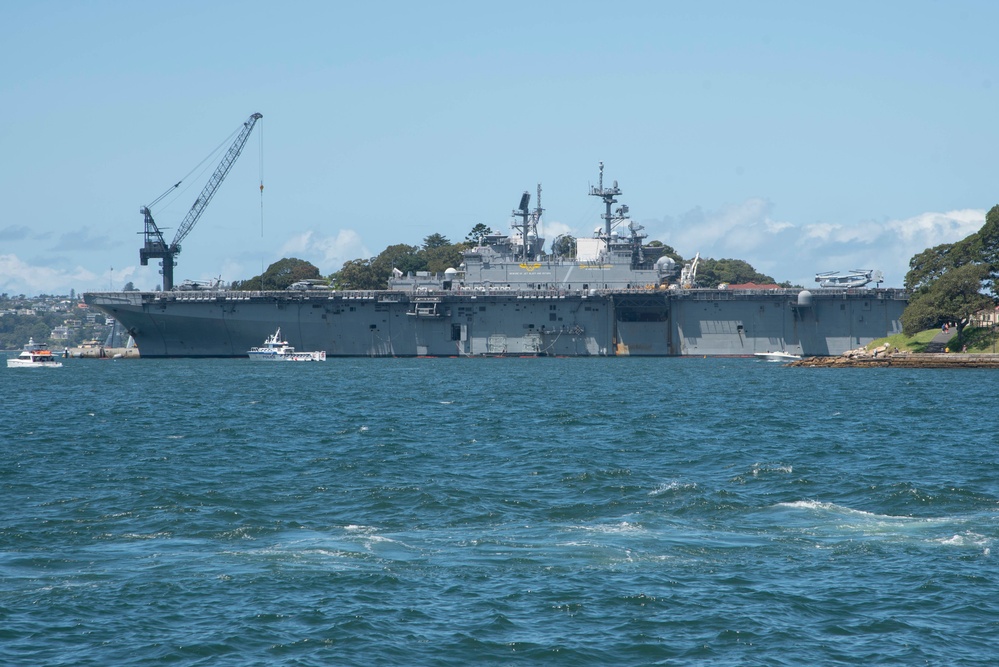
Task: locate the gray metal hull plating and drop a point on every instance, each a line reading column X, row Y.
column 484, row 323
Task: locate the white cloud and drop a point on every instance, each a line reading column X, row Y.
column 796, row 253
column 551, row 230
column 19, row 277
column 326, row 252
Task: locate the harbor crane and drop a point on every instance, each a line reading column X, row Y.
column 155, row 245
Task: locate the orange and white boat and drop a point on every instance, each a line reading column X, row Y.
column 35, row 355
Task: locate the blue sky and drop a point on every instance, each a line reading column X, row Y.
column 800, row 137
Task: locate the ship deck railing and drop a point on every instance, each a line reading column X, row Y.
column 383, row 296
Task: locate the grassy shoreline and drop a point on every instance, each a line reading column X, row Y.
column 979, row 340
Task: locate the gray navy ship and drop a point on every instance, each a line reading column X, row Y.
column 509, row 297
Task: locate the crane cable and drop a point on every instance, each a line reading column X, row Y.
column 260, row 136
column 196, row 168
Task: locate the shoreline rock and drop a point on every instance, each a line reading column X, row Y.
column 903, row 360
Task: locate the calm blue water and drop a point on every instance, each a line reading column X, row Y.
column 497, row 511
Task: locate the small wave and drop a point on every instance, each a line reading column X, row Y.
column 146, row 536
column 241, row 533
column 968, row 539
column 764, row 468
column 833, row 508
column 353, row 527
column 836, row 522
column 815, row 505
column 674, row 485
column 613, row 529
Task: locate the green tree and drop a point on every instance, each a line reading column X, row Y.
column 443, row 257
column 435, row 241
column 280, row 275
column 404, row 257
column 15, row 330
column 981, row 247
column 359, row 274
column 949, row 281
column 713, row 272
column 478, row 231
column 953, row 297
column 933, row 263
column 665, row 250
column 564, row 245
column 987, row 247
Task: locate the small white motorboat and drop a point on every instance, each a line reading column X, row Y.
column 35, row 355
column 275, row 349
column 777, row 356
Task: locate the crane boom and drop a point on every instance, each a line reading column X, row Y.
column 215, row 181
column 155, row 245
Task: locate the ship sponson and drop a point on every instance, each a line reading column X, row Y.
column 649, row 322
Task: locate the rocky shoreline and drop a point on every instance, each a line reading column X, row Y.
column 883, row 357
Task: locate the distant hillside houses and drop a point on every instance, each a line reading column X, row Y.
column 61, row 320
column 61, row 333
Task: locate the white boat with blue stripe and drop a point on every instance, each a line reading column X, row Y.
column 275, row 349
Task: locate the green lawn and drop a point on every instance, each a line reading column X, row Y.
column 977, row 340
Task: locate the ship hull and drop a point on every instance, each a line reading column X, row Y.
column 485, row 323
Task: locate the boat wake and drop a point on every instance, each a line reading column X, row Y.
column 837, row 523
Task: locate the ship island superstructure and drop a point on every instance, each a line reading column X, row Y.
column 510, row 297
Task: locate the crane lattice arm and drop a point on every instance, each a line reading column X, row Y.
column 214, row 182
column 155, row 245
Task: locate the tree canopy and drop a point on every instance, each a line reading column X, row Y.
column 954, row 297
column 950, row 282
column 443, row 257
column 436, row 255
column 435, row 240
column 358, row 274
column 667, row 251
column 713, row 272
column 400, row 256
column 564, row 245
column 478, row 231
column 280, row 275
